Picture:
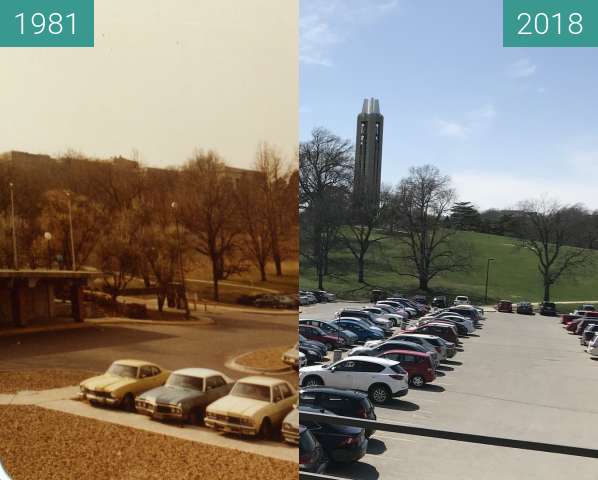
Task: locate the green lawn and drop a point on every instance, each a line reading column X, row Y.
column 513, row 275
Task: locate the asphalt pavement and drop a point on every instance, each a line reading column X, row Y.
column 520, row 377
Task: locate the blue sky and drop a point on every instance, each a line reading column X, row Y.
column 506, row 124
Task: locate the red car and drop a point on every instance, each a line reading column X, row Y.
column 315, row 333
column 572, row 325
column 418, row 365
column 442, row 330
column 568, row 318
column 504, row 306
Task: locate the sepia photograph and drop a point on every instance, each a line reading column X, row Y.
column 149, row 247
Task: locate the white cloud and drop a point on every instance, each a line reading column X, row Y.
column 521, row 69
column 326, row 24
column 473, row 121
column 506, row 190
column 452, row 129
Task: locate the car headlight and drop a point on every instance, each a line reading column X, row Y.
column 82, row 388
column 247, row 421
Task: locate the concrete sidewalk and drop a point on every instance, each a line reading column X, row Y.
column 61, row 399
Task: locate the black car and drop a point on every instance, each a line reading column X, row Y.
column 320, row 295
column 548, row 308
column 311, row 356
column 312, row 457
column 346, row 403
column 440, row 302
column 313, row 344
column 525, row 308
column 340, row 443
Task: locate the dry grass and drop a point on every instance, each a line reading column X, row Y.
column 267, row 358
column 13, row 381
column 53, row 446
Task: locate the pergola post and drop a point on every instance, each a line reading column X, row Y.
column 18, row 300
column 77, row 304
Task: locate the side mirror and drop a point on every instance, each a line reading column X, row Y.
column 332, row 369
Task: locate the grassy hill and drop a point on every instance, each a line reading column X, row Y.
column 513, row 275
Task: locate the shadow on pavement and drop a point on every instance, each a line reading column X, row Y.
column 444, row 368
column 432, row 388
column 357, row 471
column 452, row 362
column 376, row 447
column 402, row 405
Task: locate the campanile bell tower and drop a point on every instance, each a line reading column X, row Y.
column 368, row 153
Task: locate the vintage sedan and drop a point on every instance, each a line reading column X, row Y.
column 185, row 395
column 122, row 382
column 255, row 406
column 290, row 427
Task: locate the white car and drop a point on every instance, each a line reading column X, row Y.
column 411, row 312
column 431, row 341
column 382, row 379
column 397, row 320
column 593, row 346
column 461, row 300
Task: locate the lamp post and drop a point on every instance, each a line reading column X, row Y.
column 487, row 274
column 174, row 206
column 74, row 263
column 13, row 227
column 48, row 237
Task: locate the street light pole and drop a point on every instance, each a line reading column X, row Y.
column 174, row 206
column 48, row 237
column 13, row 226
column 74, row 263
column 487, row 275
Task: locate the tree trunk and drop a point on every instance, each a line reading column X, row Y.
column 423, row 283
column 215, row 278
column 263, row 272
column 360, row 269
column 547, row 292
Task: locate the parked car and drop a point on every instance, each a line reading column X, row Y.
column 185, row 395
column 448, row 332
column 584, row 323
column 396, row 319
column 381, row 379
column 504, row 306
column 462, row 330
column 312, row 458
column 439, row 344
column 588, row 334
column 332, row 329
column 256, row 405
column 324, row 296
column 368, row 317
column 315, row 333
column 588, row 307
column 312, row 354
column 364, row 332
column 525, row 308
column 547, row 308
column 292, row 357
column 419, row 309
column 475, row 314
column 376, row 348
column 421, row 299
column 418, row 365
column 343, row 402
column 340, row 443
column 461, row 300
column 440, row 302
column 593, row 347
column 290, row 427
column 122, row 382
column 410, row 311
column 421, row 340
column 311, row 298
column 453, row 317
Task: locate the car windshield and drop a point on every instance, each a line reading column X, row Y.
column 307, row 443
column 251, row 390
column 185, row 381
column 120, row 370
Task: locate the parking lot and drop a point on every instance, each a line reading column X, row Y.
column 518, row 377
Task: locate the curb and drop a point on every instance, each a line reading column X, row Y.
column 14, row 332
column 131, row 321
column 234, row 365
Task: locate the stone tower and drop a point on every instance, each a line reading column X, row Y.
column 368, row 153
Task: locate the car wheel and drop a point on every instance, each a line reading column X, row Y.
column 129, row 403
column 379, row 394
column 313, row 381
column 417, row 381
column 196, row 417
column 266, row 429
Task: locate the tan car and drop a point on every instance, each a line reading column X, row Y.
column 255, row 406
column 122, row 382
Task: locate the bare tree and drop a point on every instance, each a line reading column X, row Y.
column 325, row 174
column 557, row 235
column 424, row 199
column 208, row 212
column 253, row 206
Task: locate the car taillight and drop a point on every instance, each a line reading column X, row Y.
column 430, row 370
column 397, row 376
column 349, row 441
column 306, row 458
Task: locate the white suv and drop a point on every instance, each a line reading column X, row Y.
column 461, row 300
column 382, row 379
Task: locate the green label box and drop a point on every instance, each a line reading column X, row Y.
column 46, row 23
column 550, row 23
